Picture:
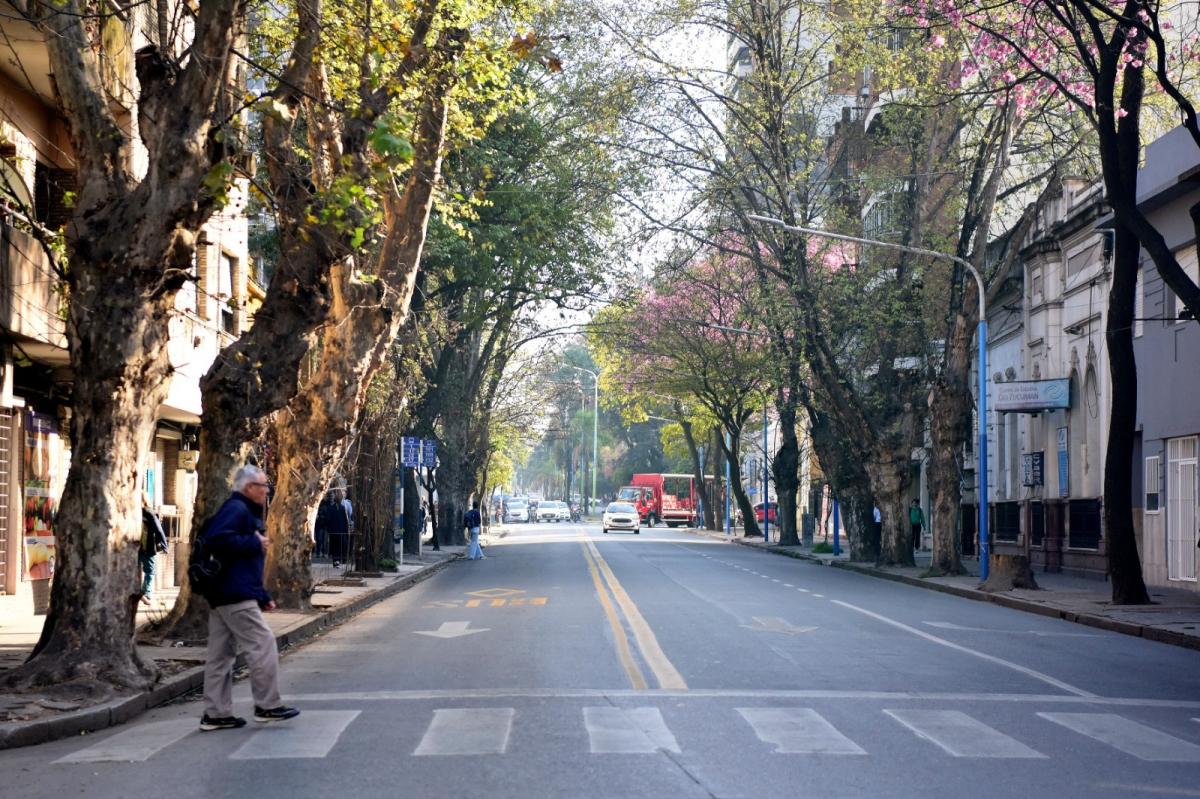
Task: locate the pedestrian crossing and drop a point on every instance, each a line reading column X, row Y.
column 610, row 730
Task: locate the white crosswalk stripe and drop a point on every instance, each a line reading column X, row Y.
column 313, row 735
column 136, row 744
column 1130, row 737
column 471, row 731
column 615, row 730
column 960, row 735
column 798, row 730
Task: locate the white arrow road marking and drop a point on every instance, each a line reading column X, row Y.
column 774, row 624
column 949, row 625
column 452, row 629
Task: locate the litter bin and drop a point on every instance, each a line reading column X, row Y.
column 41, row 596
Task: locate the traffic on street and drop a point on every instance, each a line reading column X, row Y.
column 574, row 663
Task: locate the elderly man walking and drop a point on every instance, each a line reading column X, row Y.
column 234, row 536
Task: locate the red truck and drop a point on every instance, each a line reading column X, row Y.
column 662, row 497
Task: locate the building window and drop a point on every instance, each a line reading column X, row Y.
column 1153, row 485
column 1188, row 263
column 1035, row 287
column 225, row 293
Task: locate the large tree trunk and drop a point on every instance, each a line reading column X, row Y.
column 456, row 479
column 949, row 427
column 697, row 472
column 749, row 525
column 1124, row 564
column 314, row 431
column 851, row 485
column 889, row 485
column 129, row 245
column 787, row 469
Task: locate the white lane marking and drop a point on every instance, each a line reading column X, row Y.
column 788, row 585
column 134, row 745
column 962, row 736
column 615, row 730
column 451, row 694
column 819, row 596
column 799, row 730
column 774, row 624
column 313, row 735
column 949, row 625
column 1037, row 675
column 468, row 731
column 1156, row 790
column 803, row 590
column 1130, row 737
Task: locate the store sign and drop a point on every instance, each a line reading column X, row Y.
column 1033, row 396
column 43, row 472
column 1033, row 469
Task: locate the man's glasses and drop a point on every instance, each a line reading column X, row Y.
column 260, row 485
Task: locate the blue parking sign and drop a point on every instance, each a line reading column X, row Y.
column 428, row 453
column 410, row 451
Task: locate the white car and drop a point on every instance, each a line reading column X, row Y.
column 621, row 516
column 547, row 511
column 564, row 512
column 517, row 512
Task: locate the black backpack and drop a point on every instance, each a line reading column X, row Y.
column 204, row 570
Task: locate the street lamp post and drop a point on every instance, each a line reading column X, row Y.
column 982, row 334
column 595, row 421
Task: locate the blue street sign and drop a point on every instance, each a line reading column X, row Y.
column 428, row 453
column 410, row 451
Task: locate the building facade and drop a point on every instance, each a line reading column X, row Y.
column 1167, row 347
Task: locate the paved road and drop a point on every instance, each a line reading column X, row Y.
column 575, row 664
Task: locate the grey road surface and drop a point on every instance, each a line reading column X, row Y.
column 570, row 663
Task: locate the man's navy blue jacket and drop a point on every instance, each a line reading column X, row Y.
column 231, row 535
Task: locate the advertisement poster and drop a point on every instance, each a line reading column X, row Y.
column 42, row 475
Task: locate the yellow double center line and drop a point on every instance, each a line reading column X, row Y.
column 664, row 672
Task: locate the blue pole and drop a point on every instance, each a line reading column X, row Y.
column 983, row 452
column 728, row 521
column 766, row 475
column 837, row 522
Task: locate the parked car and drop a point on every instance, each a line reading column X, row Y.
column 516, row 512
column 547, row 511
column 772, row 512
column 621, row 516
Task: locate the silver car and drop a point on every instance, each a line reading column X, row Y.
column 621, row 516
column 517, row 512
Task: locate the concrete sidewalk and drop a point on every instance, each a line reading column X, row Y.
column 29, row 719
column 1174, row 618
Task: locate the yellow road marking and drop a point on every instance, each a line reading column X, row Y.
column 498, row 602
column 474, row 603
column 636, row 679
column 664, row 671
column 538, row 600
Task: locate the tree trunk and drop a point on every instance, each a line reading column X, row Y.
column 889, row 483
column 787, row 470
column 413, row 529
column 750, row 527
column 129, row 244
column 851, row 485
column 456, row 478
column 949, row 427
column 697, row 472
column 119, row 357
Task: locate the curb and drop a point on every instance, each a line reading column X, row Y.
column 1148, row 632
column 122, row 709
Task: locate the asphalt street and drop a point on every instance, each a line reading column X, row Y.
column 569, row 663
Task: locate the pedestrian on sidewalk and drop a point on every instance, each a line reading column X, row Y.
column 472, row 521
column 154, row 540
column 877, row 520
column 235, row 537
column 916, row 523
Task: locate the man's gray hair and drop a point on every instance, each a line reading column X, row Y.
column 248, row 474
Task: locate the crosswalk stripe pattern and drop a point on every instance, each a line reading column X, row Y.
column 615, row 730
column 798, row 730
column 312, row 736
column 134, row 745
column 1130, row 737
column 959, row 735
column 470, row 731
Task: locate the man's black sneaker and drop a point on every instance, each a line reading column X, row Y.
column 223, row 723
column 280, row 713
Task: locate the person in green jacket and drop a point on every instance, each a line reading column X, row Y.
column 916, row 522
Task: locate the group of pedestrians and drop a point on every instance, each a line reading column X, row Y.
column 916, row 522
